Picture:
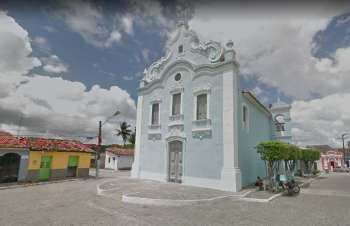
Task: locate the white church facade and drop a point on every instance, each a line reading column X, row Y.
column 195, row 125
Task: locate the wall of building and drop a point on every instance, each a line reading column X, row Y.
column 59, row 164
column 259, row 129
column 23, row 167
column 202, row 156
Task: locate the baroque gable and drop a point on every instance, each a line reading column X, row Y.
column 185, row 46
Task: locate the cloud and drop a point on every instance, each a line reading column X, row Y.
column 87, row 19
column 321, row 121
column 127, row 24
column 145, row 54
column 277, row 47
column 15, row 48
column 52, row 106
column 128, row 78
column 42, row 44
column 54, row 65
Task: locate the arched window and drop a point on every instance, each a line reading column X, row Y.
column 245, row 117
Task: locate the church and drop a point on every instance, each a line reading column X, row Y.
column 195, row 125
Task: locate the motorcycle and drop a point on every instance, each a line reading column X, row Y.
column 290, row 187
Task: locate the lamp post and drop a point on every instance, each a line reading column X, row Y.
column 99, row 142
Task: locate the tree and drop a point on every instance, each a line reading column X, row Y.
column 293, row 154
column 309, row 156
column 272, row 152
column 132, row 137
column 124, row 131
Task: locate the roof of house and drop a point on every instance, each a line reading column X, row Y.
column 9, row 141
column 120, row 151
column 320, row 147
column 255, row 101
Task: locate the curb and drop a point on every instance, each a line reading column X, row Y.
column 171, row 202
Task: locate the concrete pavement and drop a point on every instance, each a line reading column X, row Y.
column 77, row 203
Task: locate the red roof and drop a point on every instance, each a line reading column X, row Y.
column 42, row 144
column 120, row 151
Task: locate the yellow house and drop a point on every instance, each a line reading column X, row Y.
column 33, row 159
column 56, row 159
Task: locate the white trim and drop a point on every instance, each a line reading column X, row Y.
column 152, row 176
column 172, row 93
column 183, row 141
column 151, row 112
column 135, row 170
column 195, row 95
column 230, row 174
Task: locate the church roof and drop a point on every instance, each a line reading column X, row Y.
column 185, row 46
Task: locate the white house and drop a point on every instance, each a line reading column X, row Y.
column 118, row 158
column 195, row 125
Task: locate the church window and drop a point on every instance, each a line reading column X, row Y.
column 178, row 77
column 245, row 117
column 155, row 114
column 201, row 107
column 176, row 104
column 180, row 49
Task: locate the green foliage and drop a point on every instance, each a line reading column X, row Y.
column 132, row 137
column 310, row 155
column 124, row 131
column 272, row 150
column 293, row 152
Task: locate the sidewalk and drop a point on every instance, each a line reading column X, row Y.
column 266, row 196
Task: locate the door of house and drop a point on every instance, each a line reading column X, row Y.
column 9, row 167
column 72, row 166
column 175, row 162
column 45, row 167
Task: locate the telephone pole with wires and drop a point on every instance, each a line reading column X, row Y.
column 343, row 137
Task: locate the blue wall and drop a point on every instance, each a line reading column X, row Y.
column 260, row 129
column 203, row 158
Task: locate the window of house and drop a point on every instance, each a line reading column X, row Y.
column 202, row 107
column 245, row 116
column 180, row 49
column 176, row 105
column 155, row 114
column 109, row 159
column 113, row 158
column 280, row 127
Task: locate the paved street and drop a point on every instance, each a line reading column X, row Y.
column 325, row 202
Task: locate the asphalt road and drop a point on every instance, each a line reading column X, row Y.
column 325, row 202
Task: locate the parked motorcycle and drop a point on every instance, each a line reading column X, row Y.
column 290, row 187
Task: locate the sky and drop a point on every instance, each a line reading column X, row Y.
column 66, row 65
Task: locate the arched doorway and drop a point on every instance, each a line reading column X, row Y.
column 175, row 161
column 9, row 167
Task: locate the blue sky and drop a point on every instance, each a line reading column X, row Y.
column 86, row 58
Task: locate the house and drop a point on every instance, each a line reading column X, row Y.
column 331, row 159
column 195, row 125
column 118, row 158
column 102, row 154
column 34, row 159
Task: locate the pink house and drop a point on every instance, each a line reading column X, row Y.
column 331, row 159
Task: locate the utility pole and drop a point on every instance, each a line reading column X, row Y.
column 98, row 151
column 343, row 137
column 99, row 142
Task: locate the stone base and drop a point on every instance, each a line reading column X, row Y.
column 231, row 179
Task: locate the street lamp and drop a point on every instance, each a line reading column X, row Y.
column 99, row 142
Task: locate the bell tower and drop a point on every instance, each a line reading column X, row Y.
column 281, row 121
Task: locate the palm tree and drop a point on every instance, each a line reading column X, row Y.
column 132, row 137
column 124, row 131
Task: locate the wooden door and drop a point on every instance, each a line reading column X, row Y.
column 45, row 167
column 175, row 162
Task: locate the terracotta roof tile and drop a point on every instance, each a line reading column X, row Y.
column 120, row 151
column 42, row 144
